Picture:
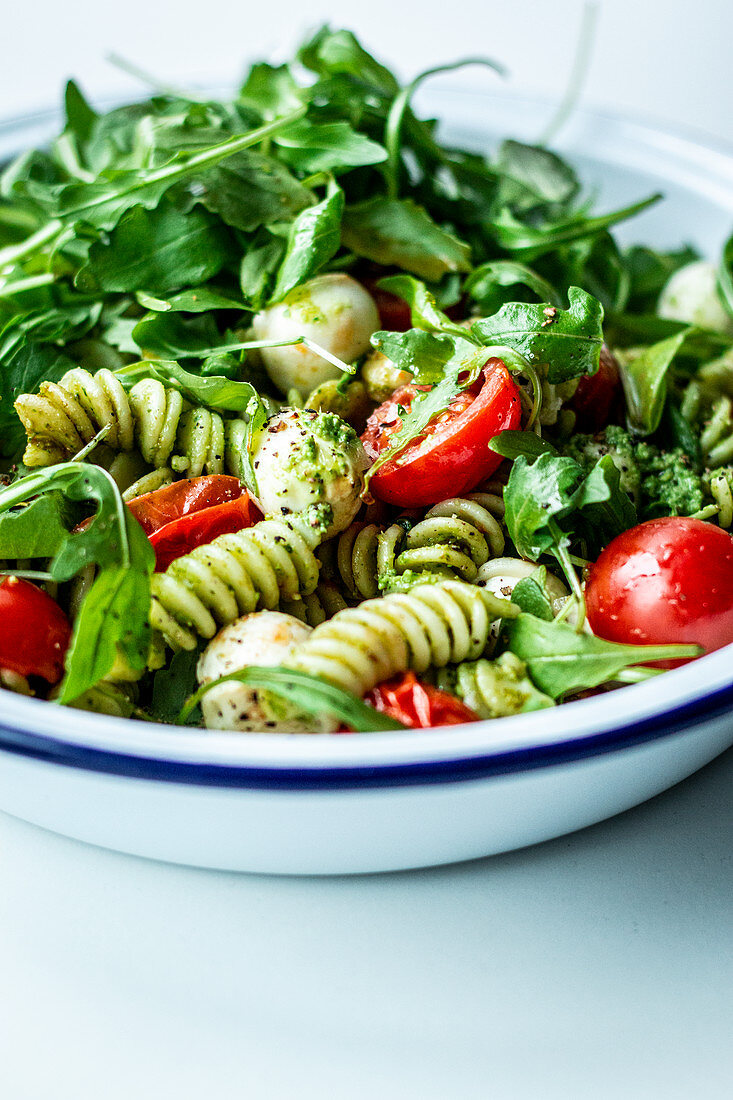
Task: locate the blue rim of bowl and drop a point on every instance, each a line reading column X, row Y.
column 675, row 721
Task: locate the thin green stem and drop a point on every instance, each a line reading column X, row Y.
column 400, row 107
column 19, row 286
column 14, row 252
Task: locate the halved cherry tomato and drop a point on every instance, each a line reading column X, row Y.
column 34, row 632
column 452, row 455
column 597, row 394
column 418, row 705
column 191, row 513
column 665, row 581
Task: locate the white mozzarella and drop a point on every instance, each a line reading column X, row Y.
column 333, row 310
column 265, row 638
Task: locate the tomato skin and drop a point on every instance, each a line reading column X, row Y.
column 394, row 313
column 191, row 513
column 452, row 455
column 665, row 581
column 418, row 705
column 597, row 394
column 34, row 631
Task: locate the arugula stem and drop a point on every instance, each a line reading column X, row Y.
column 101, row 434
column 7, row 290
column 561, row 553
column 400, row 105
column 159, row 86
column 14, row 252
column 637, row 674
column 27, row 574
column 578, row 74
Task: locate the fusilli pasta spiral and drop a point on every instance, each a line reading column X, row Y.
column 453, row 540
column 493, row 689
column 433, row 625
column 65, row 415
column 259, row 567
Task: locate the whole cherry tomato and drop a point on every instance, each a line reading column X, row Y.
column 666, row 581
column 418, row 705
column 34, row 631
column 191, row 513
column 452, row 454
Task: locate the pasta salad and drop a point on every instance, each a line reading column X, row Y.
column 312, row 422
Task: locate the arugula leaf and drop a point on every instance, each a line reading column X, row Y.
column 399, row 232
column 37, row 530
column 170, row 336
column 306, row 693
column 327, row 147
column 487, row 284
column 199, row 299
column 537, row 494
column 259, row 265
column 423, row 308
column 103, row 202
column 644, row 378
column 425, row 354
column 561, row 661
column 606, row 508
column 211, row 391
column 249, row 190
column 80, row 116
column 545, row 499
column 271, row 90
column 331, row 53
column 529, row 595
column 533, row 176
column 108, row 625
column 23, row 373
column 533, row 241
column 161, row 250
column 114, row 619
column 649, row 271
column 314, row 238
column 173, row 685
column 725, row 275
column 512, row 444
column 568, row 341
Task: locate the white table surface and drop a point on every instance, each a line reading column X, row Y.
column 598, row 965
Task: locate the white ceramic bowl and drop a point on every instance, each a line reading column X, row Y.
column 376, row 802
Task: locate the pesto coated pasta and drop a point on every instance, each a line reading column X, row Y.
column 431, row 626
column 66, row 415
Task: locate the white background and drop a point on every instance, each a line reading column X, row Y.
column 670, row 59
column 598, row 965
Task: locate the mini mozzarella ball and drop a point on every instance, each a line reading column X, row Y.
column 333, row 310
column 381, row 377
column 691, row 295
column 303, row 457
column 266, row 638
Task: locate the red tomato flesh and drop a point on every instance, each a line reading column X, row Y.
column 417, row 705
column 665, row 581
column 191, row 513
column 34, row 631
column 452, row 455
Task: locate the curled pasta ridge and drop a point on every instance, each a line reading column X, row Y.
column 65, row 415
column 432, row 625
column 261, row 567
